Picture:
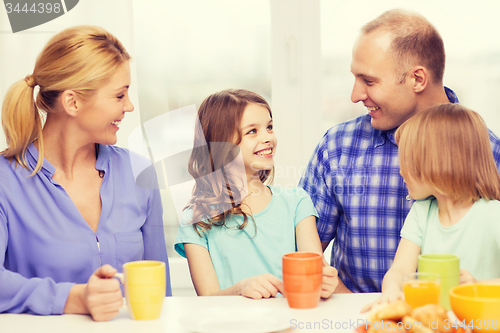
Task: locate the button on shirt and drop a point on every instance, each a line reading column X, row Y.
column 46, row 246
column 354, row 182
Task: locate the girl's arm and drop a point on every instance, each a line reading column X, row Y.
column 405, row 261
column 206, row 283
column 307, row 239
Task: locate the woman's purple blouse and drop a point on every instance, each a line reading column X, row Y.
column 45, row 244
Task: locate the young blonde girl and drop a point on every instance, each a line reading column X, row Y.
column 448, row 167
column 236, row 228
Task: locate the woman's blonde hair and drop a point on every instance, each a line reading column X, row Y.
column 215, row 191
column 447, row 147
column 81, row 59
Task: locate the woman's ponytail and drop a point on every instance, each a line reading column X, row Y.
column 21, row 121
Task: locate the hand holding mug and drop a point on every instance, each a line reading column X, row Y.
column 102, row 294
column 330, row 280
column 466, row 277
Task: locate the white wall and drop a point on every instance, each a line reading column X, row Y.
column 18, row 51
column 296, row 85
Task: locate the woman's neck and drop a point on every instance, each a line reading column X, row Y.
column 66, row 152
column 451, row 212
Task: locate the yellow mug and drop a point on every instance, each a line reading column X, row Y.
column 144, row 283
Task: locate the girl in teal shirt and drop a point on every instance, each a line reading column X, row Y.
column 236, row 228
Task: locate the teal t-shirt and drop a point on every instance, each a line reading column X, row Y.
column 257, row 249
column 475, row 239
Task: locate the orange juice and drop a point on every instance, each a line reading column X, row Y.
column 421, row 292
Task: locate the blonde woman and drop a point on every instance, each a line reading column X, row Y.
column 71, row 212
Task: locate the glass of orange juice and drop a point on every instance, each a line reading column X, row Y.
column 421, row 288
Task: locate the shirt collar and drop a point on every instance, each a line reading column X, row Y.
column 32, row 158
column 452, row 97
column 381, row 137
column 102, row 158
column 49, row 170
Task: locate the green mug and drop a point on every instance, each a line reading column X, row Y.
column 448, row 268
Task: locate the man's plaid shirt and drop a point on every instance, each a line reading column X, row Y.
column 353, row 179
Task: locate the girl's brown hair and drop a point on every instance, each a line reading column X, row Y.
column 215, row 146
column 81, row 59
column 447, row 147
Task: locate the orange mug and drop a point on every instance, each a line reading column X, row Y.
column 302, row 278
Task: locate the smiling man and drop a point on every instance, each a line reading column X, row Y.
column 353, row 176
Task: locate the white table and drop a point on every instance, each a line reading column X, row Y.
column 340, row 313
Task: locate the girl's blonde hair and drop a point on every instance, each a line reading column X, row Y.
column 81, row 59
column 215, row 147
column 447, row 147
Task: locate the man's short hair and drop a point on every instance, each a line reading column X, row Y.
column 415, row 41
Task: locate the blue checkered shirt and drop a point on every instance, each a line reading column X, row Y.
column 353, row 179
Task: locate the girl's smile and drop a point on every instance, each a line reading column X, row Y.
column 258, row 141
column 266, row 153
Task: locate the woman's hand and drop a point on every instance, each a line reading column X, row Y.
column 385, row 298
column 260, row 286
column 101, row 296
column 330, row 280
column 466, row 277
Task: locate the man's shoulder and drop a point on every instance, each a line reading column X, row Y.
column 495, row 146
column 493, row 137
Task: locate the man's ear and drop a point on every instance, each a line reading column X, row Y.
column 420, row 76
column 70, row 102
